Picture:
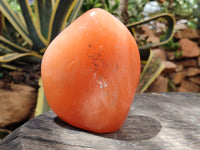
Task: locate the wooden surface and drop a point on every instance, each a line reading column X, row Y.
column 166, row 121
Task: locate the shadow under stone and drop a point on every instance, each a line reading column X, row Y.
column 135, row 128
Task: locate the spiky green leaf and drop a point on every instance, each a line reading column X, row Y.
column 10, row 67
column 43, row 11
column 39, row 41
column 59, row 17
column 75, row 11
column 12, row 46
column 15, row 20
column 42, row 105
column 151, row 71
column 15, row 56
column 171, row 23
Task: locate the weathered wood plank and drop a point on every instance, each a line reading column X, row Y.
column 165, row 121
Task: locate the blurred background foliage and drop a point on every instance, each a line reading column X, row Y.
column 135, row 10
column 181, row 9
column 109, row 5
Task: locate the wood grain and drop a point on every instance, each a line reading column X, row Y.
column 165, row 121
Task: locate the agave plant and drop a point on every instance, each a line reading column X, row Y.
column 26, row 33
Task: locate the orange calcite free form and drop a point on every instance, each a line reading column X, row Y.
column 90, row 72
